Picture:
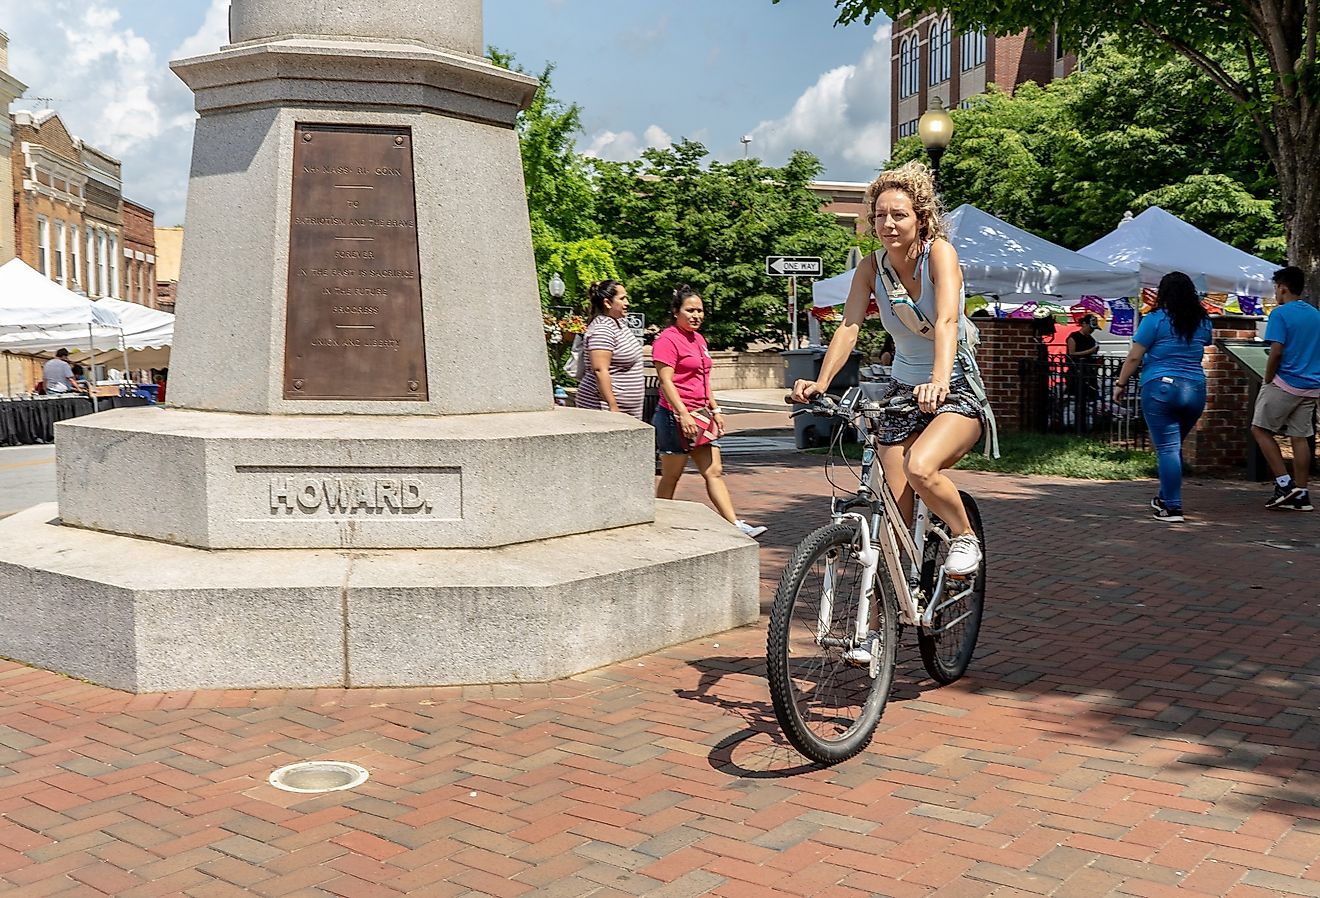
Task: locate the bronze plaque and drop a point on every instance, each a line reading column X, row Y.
column 354, row 317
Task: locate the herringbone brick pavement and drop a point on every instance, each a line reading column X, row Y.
column 1141, row 720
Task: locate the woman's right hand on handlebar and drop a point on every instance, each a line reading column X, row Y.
column 803, row 390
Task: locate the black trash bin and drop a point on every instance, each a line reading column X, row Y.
column 804, row 364
column 810, row 431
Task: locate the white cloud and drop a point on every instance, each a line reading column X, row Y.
column 622, row 146
column 113, row 89
column 843, row 118
column 213, row 34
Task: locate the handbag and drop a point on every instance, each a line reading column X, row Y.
column 707, row 430
column 576, row 365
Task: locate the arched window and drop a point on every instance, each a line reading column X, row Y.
column 933, row 54
column 941, row 36
column 914, row 84
column 904, row 64
column 973, row 49
column 946, row 48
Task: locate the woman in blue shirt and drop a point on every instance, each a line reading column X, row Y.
column 1168, row 347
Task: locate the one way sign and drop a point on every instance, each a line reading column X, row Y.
column 789, row 266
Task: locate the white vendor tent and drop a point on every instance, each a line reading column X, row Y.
column 138, row 328
column 1157, row 242
column 30, row 301
column 1001, row 260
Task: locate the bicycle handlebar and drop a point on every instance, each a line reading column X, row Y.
column 825, row 406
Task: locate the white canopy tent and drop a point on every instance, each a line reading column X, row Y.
column 1001, row 260
column 1157, row 242
column 138, row 328
column 30, row 301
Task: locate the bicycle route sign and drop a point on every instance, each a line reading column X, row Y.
column 636, row 322
column 793, row 266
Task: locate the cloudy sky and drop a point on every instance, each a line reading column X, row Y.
column 643, row 73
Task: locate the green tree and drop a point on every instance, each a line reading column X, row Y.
column 1067, row 160
column 1277, row 88
column 675, row 217
column 560, row 197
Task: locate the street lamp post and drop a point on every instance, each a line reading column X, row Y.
column 556, row 287
column 746, row 141
column 936, row 130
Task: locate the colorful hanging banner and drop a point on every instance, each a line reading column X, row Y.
column 1123, row 322
column 1148, row 297
column 1094, row 304
column 1251, row 305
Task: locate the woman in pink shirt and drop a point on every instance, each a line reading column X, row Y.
column 682, row 362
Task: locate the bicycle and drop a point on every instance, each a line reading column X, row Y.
column 830, row 668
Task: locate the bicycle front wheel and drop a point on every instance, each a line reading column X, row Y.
column 947, row 646
column 828, row 707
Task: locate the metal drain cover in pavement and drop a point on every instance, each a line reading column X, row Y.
column 319, row 776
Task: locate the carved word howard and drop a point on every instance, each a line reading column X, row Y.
column 345, row 495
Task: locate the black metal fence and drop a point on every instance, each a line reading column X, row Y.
column 1060, row 396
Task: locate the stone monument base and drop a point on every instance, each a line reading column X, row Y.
column 144, row 616
column 215, row 480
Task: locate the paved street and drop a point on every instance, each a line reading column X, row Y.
column 27, row 477
column 1141, row 720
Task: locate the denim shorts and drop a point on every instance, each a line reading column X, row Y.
column 896, row 427
column 668, row 440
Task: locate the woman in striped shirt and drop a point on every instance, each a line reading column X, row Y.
column 612, row 380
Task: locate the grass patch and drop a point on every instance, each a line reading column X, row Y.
column 1052, row 455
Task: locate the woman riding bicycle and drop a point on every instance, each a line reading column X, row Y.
column 918, row 286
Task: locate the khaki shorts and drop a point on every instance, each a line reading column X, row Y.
column 1279, row 411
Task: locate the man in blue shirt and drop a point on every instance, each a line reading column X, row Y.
column 1287, row 402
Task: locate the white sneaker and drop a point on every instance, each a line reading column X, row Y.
column 748, row 530
column 964, row 556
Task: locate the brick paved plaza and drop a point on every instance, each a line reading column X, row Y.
column 1141, row 719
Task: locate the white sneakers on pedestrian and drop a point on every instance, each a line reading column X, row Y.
column 748, row 530
column 964, row 556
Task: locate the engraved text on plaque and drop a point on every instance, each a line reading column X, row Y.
column 354, row 314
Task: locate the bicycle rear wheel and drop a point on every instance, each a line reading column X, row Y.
column 827, row 707
column 947, row 647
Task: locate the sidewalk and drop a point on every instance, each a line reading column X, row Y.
column 1140, row 720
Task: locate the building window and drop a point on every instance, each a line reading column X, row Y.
column 43, row 245
column 102, row 265
column 1058, row 43
column 973, row 49
column 89, row 282
column 914, row 83
column 904, row 66
column 938, row 46
column 75, row 255
column 908, row 128
column 57, row 254
column 114, row 266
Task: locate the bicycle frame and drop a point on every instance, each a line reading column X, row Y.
column 882, row 524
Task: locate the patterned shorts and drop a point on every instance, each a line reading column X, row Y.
column 895, row 427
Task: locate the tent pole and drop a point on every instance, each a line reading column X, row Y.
column 91, row 380
column 123, row 345
column 9, row 377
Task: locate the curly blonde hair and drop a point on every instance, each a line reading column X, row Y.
column 916, row 181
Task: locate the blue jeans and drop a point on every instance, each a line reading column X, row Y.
column 1172, row 406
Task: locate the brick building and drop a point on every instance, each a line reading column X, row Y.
column 49, row 191
column 845, row 200
column 169, row 254
column 10, row 90
column 930, row 57
column 139, row 279
column 103, row 222
column 71, row 220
